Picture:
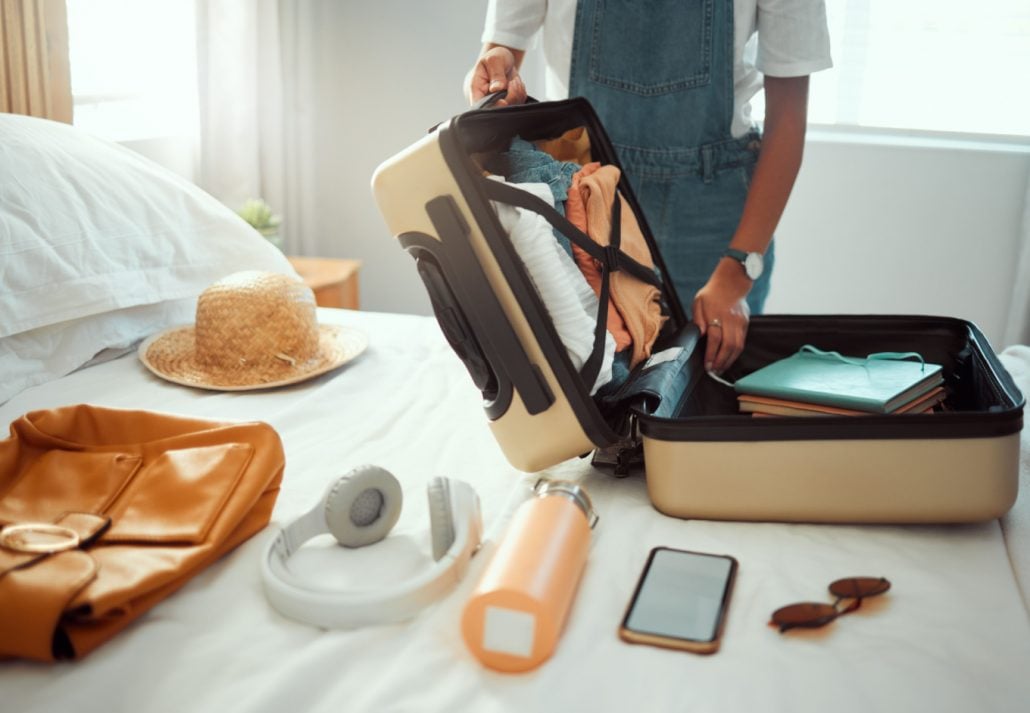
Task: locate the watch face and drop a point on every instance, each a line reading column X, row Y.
column 753, row 265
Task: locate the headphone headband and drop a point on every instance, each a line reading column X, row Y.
column 454, row 510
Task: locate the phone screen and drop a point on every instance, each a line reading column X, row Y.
column 681, row 595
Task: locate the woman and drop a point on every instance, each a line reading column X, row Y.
column 672, row 81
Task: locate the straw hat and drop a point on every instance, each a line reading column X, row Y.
column 254, row 330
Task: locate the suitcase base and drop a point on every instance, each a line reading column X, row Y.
column 845, row 481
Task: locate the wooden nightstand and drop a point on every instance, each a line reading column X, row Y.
column 334, row 282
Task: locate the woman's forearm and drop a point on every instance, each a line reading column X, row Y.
column 783, row 144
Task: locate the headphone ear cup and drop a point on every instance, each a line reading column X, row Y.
column 363, row 506
column 441, row 516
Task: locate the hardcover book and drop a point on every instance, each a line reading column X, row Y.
column 766, row 406
column 876, row 384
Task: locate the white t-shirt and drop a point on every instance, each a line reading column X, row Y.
column 781, row 38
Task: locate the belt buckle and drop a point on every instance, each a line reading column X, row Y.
column 38, row 537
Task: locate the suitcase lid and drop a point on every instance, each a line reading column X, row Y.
column 483, row 130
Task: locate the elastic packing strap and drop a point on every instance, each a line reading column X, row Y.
column 610, row 257
column 614, row 258
column 856, row 361
column 592, row 365
column 859, row 361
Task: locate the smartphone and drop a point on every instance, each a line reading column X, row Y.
column 680, row 601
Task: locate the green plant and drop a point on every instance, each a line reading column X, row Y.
column 258, row 213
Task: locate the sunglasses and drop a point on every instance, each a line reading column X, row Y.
column 811, row 615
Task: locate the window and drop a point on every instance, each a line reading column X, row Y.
column 929, row 65
column 133, row 67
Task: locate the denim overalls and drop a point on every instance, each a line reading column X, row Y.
column 660, row 75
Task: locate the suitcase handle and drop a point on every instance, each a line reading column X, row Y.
column 485, row 102
column 489, row 100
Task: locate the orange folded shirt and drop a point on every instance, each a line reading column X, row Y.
column 638, row 303
column 576, row 212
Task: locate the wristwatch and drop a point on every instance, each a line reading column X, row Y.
column 753, row 263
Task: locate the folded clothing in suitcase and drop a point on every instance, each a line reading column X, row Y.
column 703, row 458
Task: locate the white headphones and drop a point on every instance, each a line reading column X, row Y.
column 359, row 509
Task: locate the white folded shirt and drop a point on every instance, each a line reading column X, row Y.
column 569, row 299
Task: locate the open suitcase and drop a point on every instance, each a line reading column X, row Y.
column 702, row 458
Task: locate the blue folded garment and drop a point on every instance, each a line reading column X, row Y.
column 525, row 163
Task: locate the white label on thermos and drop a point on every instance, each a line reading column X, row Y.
column 508, row 631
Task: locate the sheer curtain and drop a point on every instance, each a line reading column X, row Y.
column 255, row 121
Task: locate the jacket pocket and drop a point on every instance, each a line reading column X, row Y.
column 179, row 496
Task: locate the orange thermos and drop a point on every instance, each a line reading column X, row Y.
column 515, row 614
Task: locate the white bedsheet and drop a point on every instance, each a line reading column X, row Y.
column 952, row 635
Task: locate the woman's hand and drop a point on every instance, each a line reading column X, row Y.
column 497, row 69
column 719, row 307
column 721, row 313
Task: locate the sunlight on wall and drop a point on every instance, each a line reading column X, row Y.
column 930, row 65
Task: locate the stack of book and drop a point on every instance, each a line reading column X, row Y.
column 812, row 383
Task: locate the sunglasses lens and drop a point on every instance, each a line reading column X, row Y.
column 858, row 587
column 806, row 614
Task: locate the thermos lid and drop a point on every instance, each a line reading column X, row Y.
column 571, row 491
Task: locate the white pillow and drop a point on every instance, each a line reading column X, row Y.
column 96, row 244
column 46, row 353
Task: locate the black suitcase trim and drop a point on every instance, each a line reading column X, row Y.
column 547, row 337
column 835, row 428
column 989, row 403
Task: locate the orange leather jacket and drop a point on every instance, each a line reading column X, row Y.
column 107, row 512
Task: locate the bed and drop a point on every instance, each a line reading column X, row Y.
column 953, row 634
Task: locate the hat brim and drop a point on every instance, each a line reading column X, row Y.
column 171, row 355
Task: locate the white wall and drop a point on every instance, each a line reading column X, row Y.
column 389, row 70
column 906, row 225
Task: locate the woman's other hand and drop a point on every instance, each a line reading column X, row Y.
column 721, row 313
column 497, row 69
